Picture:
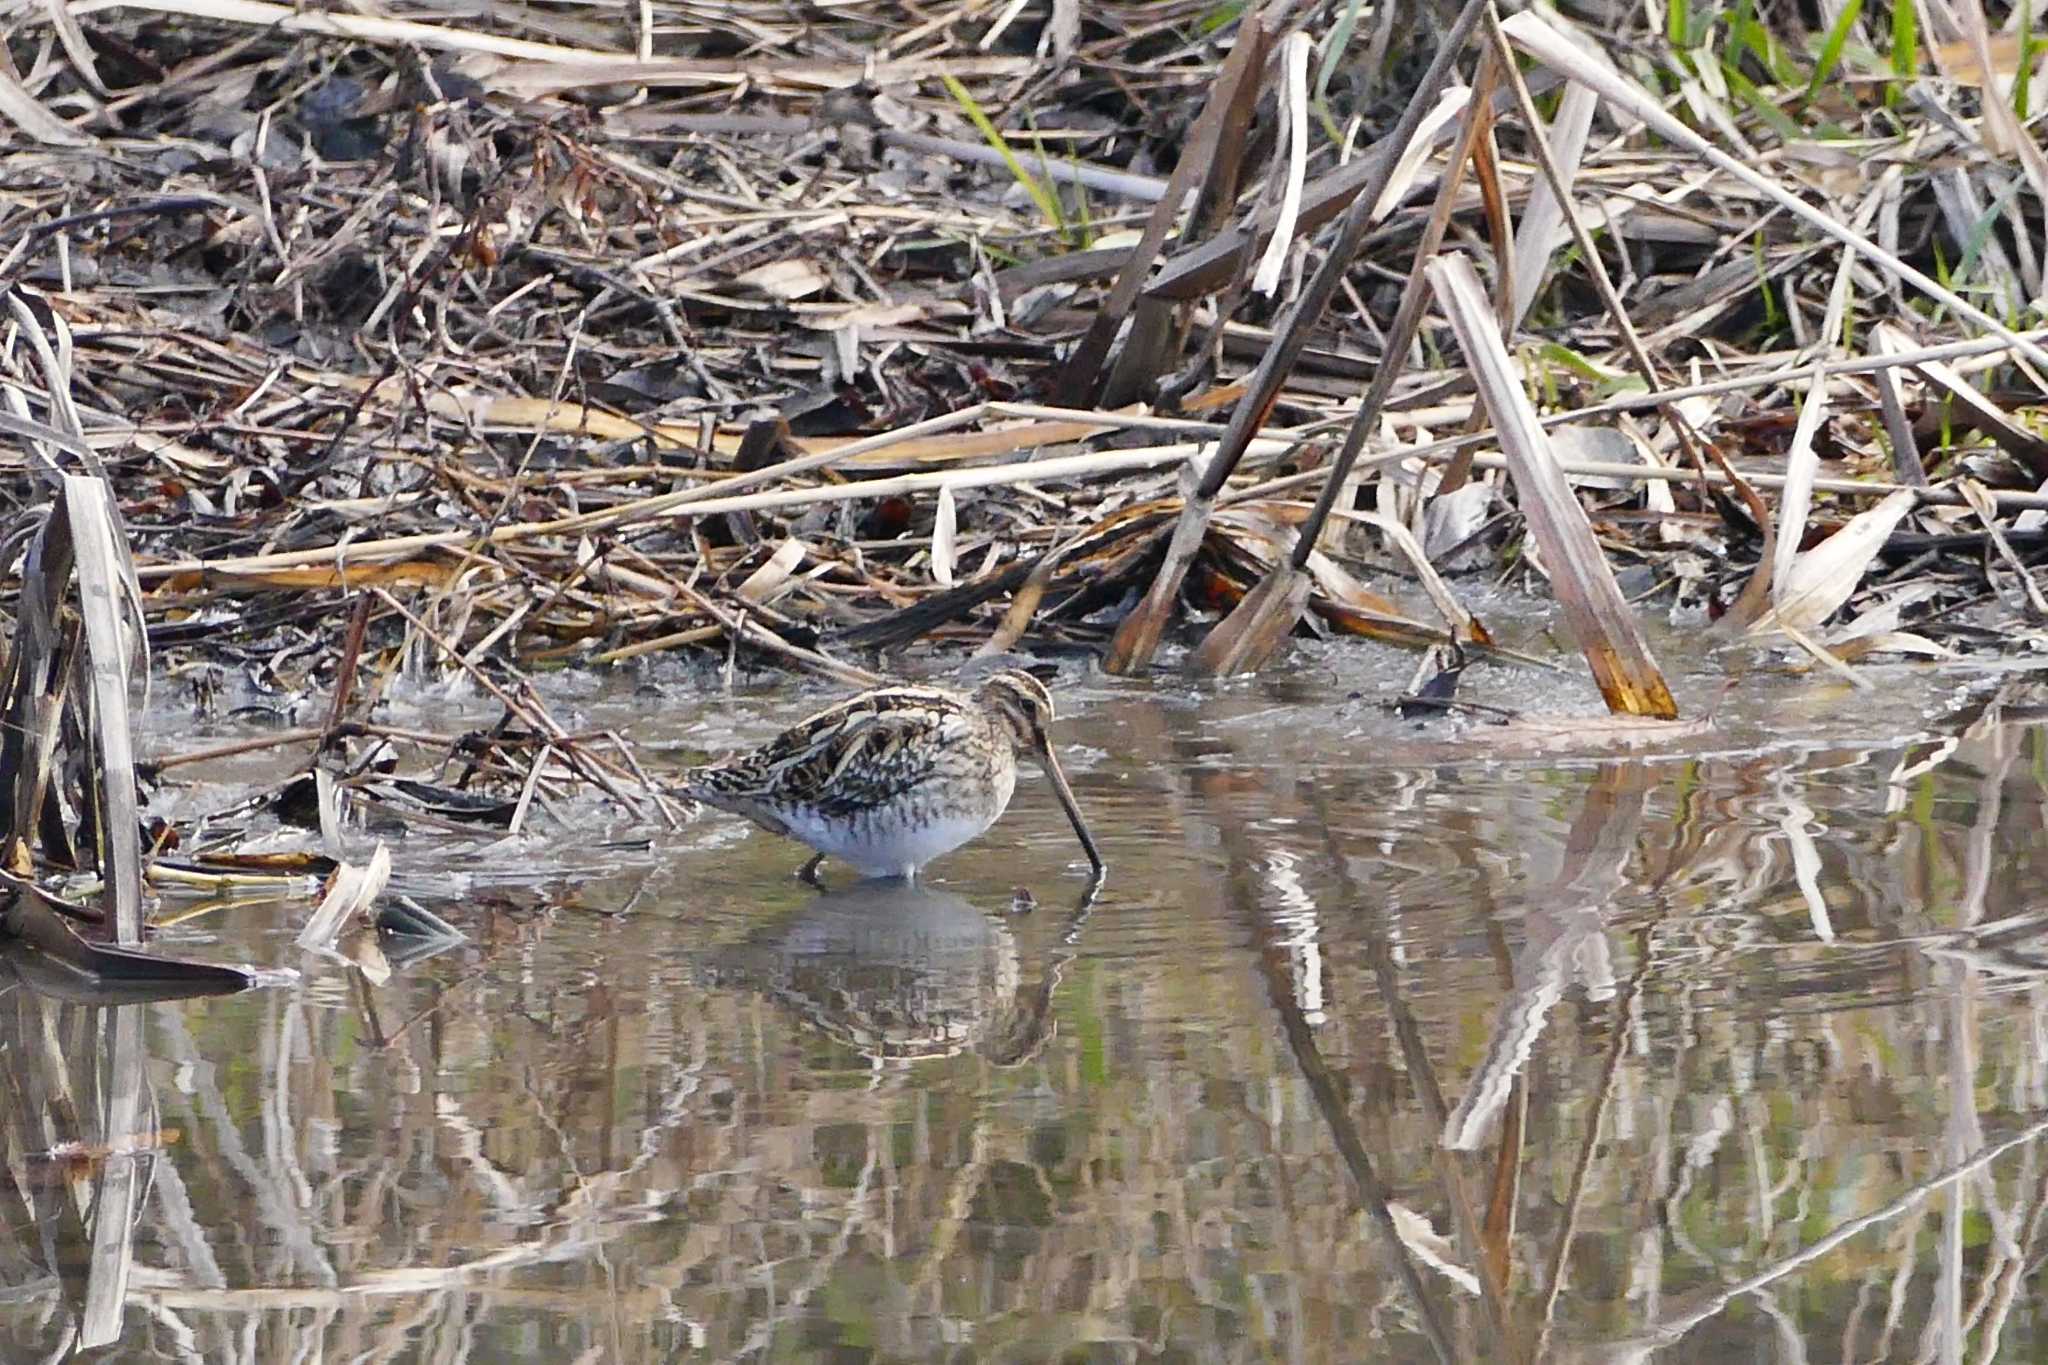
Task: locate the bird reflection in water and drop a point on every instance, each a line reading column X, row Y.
column 902, row 972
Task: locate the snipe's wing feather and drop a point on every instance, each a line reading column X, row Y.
column 860, row 753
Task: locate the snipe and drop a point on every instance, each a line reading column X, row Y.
column 888, row 780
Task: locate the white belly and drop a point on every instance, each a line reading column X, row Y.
column 887, row 849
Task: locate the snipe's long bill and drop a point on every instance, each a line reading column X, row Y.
column 890, row 779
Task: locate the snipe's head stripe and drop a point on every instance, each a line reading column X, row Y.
column 1023, row 705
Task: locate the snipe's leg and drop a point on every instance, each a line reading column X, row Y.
column 809, row 871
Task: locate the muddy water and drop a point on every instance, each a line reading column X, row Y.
column 1375, row 1047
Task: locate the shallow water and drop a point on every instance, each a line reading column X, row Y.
column 1374, row 1047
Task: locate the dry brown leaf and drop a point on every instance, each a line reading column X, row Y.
column 795, row 278
column 1826, row 576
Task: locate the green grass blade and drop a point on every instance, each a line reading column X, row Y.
column 1048, row 203
column 1905, row 43
column 2030, row 48
column 1760, row 104
column 1980, row 231
column 1334, row 45
column 1831, row 46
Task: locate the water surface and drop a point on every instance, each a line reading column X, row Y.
column 1374, row 1047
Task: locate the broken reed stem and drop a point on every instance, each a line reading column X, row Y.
column 591, row 766
column 741, row 627
column 1083, row 374
column 1610, row 297
column 1592, row 605
column 1138, row 634
column 1596, row 469
column 1293, row 335
column 1245, row 639
column 304, row 734
column 1408, row 315
column 680, row 505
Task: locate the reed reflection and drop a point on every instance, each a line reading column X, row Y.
column 82, row 1135
column 1690, row 960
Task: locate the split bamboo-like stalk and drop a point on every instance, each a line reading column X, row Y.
column 1138, row 636
column 67, row 682
column 1260, row 624
column 1599, row 617
column 1081, row 377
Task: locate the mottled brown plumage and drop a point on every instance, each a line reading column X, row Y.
column 894, row 777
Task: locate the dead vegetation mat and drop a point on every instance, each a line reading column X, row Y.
column 479, row 339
